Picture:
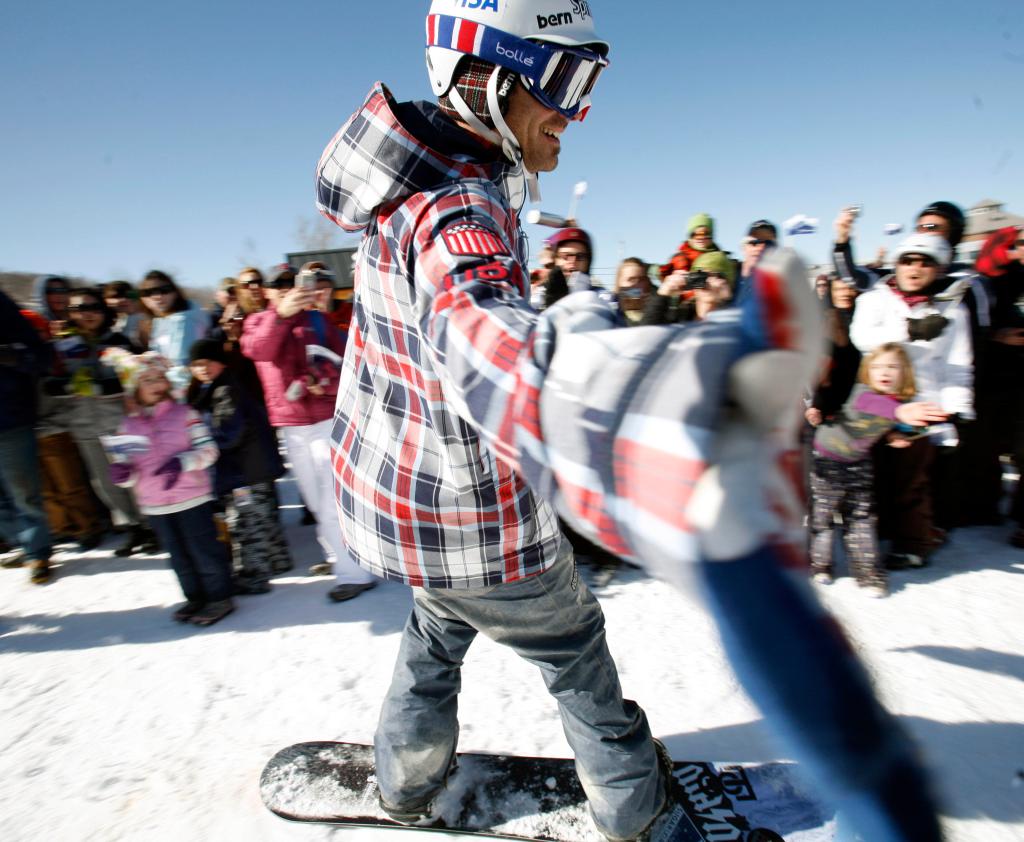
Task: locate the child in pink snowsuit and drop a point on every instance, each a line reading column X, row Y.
column 173, row 487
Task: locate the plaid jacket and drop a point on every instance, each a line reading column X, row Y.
column 463, row 414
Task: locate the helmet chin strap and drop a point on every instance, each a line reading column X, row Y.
column 519, row 180
column 510, row 144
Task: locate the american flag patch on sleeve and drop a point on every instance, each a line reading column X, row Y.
column 472, row 238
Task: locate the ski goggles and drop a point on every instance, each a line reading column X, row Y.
column 559, row 77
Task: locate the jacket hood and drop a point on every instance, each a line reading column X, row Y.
column 38, row 302
column 388, row 151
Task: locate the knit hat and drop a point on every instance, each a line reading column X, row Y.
column 952, row 214
column 929, row 245
column 700, row 220
column 716, row 262
column 761, row 225
column 130, row 367
column 207, row 349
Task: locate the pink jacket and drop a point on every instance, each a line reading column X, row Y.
column 278, row 347
column 173, row 429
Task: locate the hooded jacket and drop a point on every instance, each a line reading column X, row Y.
column 38, row 300
column 943, row 366
column 451, row 428
column 278, row 347
column 174, row 430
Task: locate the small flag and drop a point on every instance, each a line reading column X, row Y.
column 472, row 238
column 800, row 224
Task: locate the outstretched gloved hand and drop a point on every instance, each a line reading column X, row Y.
column 926, row 328
column 170, row 471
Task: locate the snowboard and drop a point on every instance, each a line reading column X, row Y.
column 540, row 798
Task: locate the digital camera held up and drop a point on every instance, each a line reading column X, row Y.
column 696, row 280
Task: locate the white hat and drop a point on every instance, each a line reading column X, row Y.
column 928, row 245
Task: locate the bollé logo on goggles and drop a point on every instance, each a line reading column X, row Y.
column 516, row 55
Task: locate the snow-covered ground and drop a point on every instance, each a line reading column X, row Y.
column 117, row 723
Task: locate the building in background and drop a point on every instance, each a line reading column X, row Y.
column 984, row 218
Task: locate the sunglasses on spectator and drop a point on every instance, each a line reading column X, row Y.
column 56, row 290
column 85, row 308
column 929, row 226
column 917, row 260
column 164, row 290
column 1019, row 244
column 572, row 255
column 281, row 283
column 757, row 241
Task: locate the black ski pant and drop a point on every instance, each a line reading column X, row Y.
column 845, row 489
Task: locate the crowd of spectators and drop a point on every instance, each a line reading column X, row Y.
column 921, row 395
column 130, row 409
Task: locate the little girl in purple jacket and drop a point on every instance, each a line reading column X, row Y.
column 172, row 485
column 842, row 480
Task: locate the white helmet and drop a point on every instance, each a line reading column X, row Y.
column 550, row 44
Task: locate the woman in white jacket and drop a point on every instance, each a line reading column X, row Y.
column 914, row 307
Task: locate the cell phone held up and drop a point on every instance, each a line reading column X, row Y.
column 305, row 280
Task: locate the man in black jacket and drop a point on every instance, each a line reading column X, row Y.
column 23, row 357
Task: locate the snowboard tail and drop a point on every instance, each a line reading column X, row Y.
column 540, row 798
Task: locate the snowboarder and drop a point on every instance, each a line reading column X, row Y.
column 463, row 415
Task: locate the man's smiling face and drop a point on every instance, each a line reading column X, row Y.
column 537, row 128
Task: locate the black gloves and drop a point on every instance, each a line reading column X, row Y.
column 556, row 288
column 927, row 328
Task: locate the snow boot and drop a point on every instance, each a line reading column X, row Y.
column 422, row 814
column 40, row 572
column 341, row 593
column 246, row 586
column 90, row 542
column 213, row 612
column 184, row 612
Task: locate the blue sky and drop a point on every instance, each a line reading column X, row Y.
column 184, row 136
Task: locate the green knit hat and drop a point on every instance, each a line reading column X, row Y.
column 717, row 262
column 700, row 220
